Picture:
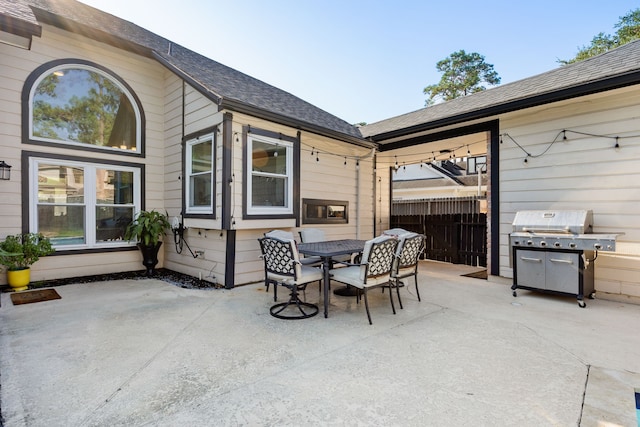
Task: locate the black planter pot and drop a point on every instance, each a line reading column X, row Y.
column 150, row 257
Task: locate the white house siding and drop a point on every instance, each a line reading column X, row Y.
column 146, row 78
column 199, row 114
column 583, row 172
column 327, row 178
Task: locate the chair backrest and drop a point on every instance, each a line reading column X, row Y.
column 410, row 247
column 280, row 234
column 281, row 257
column 378, row 256
column 312, row 235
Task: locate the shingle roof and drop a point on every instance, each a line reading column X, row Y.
column 231, row 88
column 615, row 68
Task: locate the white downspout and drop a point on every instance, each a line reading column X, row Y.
column 367, row 156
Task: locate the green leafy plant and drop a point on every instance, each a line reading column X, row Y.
column 22, row 250
column 148, row 227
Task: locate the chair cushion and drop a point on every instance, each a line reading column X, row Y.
column 312, row 235
column 367, row 250
column 351, row 276
column 285, row 258
column 280, row 234
column 395, row 232
column 307, row 274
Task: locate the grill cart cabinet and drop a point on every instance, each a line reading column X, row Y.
column 554, row 251
column 558, row 271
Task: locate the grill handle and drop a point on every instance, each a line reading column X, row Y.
column 525, row 258
column 561, row 261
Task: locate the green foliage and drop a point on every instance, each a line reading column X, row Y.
column 148, row 227
column 628, row 30
column 22, row 250
column 464, row 74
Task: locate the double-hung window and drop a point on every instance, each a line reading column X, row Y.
column 83, row 205
column 270, row 178
column 200, row 172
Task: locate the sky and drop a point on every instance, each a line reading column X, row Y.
column 369, row 60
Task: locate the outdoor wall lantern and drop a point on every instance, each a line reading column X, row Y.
column 5, row 171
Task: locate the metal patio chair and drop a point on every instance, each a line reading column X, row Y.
column 283, row 267
column 373, row 271
column 410, row 246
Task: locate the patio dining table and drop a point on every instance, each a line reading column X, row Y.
column 326, row 251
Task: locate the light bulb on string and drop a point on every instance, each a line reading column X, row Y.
column 468, row 151
column 345, row 161
column 396, row 166
column 357, row 164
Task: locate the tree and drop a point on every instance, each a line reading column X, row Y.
column 628, row 30
column 464, row 74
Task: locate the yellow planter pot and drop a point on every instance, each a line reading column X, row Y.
column 19, row 279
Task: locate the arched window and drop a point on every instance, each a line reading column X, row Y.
column 79, row 103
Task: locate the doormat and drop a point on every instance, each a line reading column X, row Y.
column 482, row 274
column 34, row 296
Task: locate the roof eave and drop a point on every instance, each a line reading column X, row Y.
column 242, row 107
column 615, row 82
column 90, row 32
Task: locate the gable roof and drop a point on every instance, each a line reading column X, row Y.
column 610, row 70
column 225, row 86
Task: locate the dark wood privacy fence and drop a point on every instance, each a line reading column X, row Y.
column 456, row 230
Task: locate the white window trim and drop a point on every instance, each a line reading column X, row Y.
column 90, row 199
column 188, row 164
column 269, row 210
column 81, row 144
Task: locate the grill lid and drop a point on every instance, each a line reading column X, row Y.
column 558, row 221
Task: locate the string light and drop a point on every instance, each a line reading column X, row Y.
column 345, row 161
column 564, row 138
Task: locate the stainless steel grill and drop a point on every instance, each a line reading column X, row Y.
column 554, row 251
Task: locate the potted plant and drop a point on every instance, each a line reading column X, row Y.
column 18, row 253
column 147, row 229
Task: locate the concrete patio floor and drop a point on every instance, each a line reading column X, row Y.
column 147, row 353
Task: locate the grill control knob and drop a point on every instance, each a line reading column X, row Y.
column 543, row 243
column 557, row 244
column 529, row 242
column 597, row 246
column 572, row 245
